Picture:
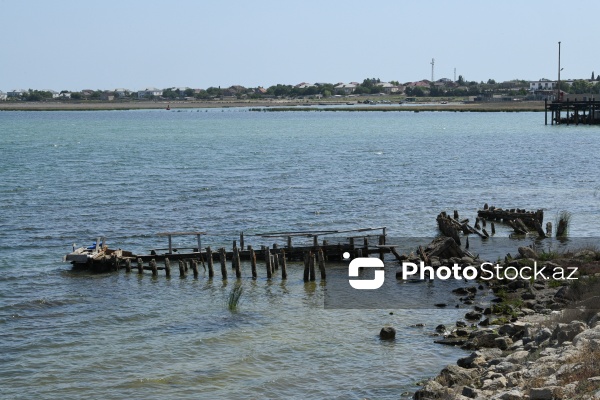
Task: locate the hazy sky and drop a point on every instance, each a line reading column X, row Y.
column 74, row 45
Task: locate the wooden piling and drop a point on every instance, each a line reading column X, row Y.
column 283, row 265
column 210, row 262
column 306, row 267
column 167, row 267
column 322, row 264
column 181, row 269
column 140, row 266
column 268, row 262
column 275, row 262
column 493, row 227
column 366, row 247
column 195, row 268
column 456, row 214
column 549, row 229
column 154, row 267
column 128, row 265
column 242, row 240
column 311, row 265
column 252, row 262
column 222, row 257
column 238, row 267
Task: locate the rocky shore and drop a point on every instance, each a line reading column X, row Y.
column 537, row 340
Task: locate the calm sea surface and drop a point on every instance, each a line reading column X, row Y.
column 66, row 177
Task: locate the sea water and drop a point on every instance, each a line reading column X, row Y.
column 67, row 177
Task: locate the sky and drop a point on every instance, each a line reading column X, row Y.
column 134, row 44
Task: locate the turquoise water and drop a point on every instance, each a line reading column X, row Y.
column 69, row 176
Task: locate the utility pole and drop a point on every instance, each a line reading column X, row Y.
column 558, row 90
column 432, row 65
column 454, row 74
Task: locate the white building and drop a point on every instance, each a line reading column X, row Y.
column 151, row 91
column 2, row 96
column 347, row 88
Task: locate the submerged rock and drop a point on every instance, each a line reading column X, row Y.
column 387, row 333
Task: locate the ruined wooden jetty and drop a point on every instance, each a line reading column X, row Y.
column 362, row 243
column 530, row 218
column 582, row 110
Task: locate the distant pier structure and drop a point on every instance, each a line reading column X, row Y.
column 575, row 111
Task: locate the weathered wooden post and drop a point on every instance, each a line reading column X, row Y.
column 275, row 259
column 242, row 240
column 283, row 265
column 140, row 266
column 154, row 267
column 456, row 215
column 322, row 264
column 128, row 265
column 195, row 268
column 181, row 269
column 267, row 253
column 493, row 227
column 289, row 242
column 210, row 262
column 366, row 247
column 306, row 267
column 238, row 268
column 222, row 257
column 167, row 267
column 252, row 261
column 549, row 229
column 312, row 266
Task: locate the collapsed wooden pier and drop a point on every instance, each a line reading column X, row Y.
column 188, row 260
column 578, row 111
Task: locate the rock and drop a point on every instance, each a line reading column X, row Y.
column 455, row 375
column 527, row 252
column 430, row 390
column 463, row 291
column 514, row 394
column 473, row 315
column 470, row 392
column 485, row 322
column 543, row 335
column 595, row 320
column 441, row 305
column 517, row 357
column 461, row 324
column 545, row 393
column 387, row 333
column 528, row 296
column 494, row 384
column 588, row 336
column 474, row 360
column 462, row 332
column 503, row 342
column 451, row 341
column 440, row 328
column 567, row 332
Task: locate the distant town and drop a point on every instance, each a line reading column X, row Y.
column 514, row 90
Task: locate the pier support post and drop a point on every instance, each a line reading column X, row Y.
column 238, row 268
column 493, row 228
column 222, row 258
column 242, row 240
column 322, row 264
column 167, row 267
column 283, row 265
column 306, row 267
column 268, row 262
column 140, row 266
column 154, row 267
column 366, row 247
column 252, row 261
column 181, row 269
column 549, row 229
column 312, row 266
column 128, row 265
column 209, row 260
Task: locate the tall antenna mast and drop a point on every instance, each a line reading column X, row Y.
column 454, row 74
column 432, row 65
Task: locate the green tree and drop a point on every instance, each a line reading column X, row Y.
column 189, row 92
column 491, row 82
column 461, row 80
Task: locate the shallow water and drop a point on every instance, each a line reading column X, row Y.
column 69, row 176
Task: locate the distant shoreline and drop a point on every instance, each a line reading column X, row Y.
column 275, row 105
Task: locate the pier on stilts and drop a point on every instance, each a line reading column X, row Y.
column 323, row 246
column 573, row 111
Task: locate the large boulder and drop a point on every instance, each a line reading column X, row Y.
column 387, row 333
column 567, row 332
column 455, row 375
column 474, row 360
column 527, row 252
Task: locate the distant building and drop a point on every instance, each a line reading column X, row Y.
column 346, row 88
column 389, row 88
column 54, row 93
column 65, row 95
column 121, row 92
column 3, row 96
column 107, row 96
column 16, row 93
column 148, row 92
